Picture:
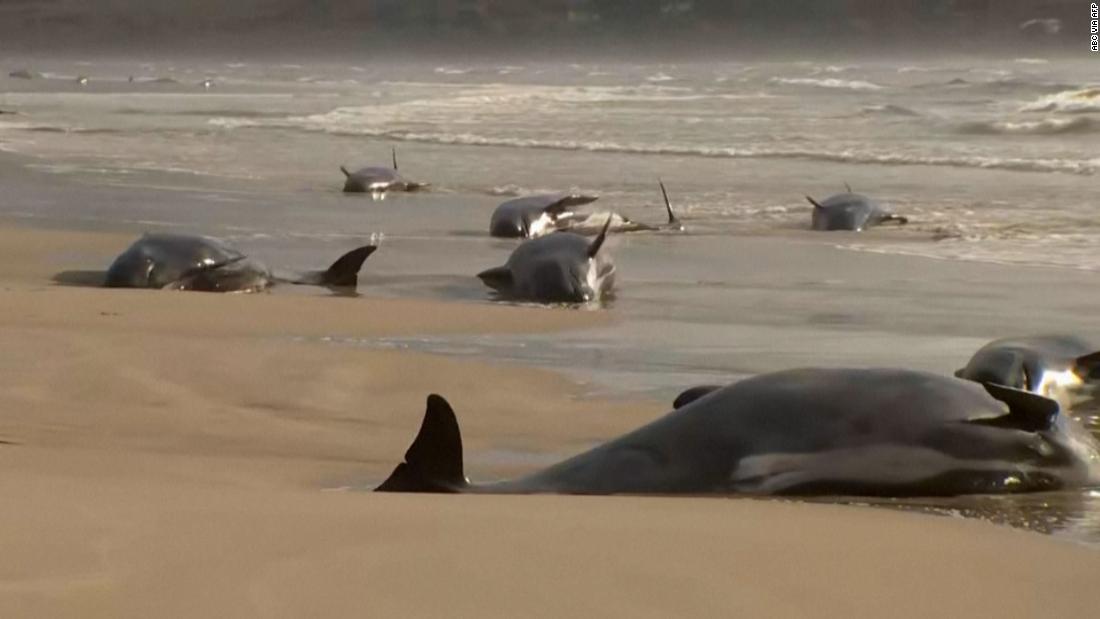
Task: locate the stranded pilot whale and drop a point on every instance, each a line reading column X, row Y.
column 560, row 268
column 192, row 262
column 881, row 432
column 534, row 216
column 378, row 180
column 592, row 224
column 850, row 211
column 1063, row 367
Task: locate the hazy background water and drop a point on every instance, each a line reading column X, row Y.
column 994, row 161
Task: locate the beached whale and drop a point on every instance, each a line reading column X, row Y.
column 378, row 180
column 192, row 262
column 850, row 211
column 559, row 268
column 1063, row 367
column 534, row 216
column 593, row 223
column 882, row 432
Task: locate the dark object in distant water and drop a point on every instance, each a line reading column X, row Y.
column 534, row 216
column 378, row 180
column 850, row 211
column 883, row 432
column 1060, row 367
column 191, row 262
column 11, row 112
column 558, row 268
column 25, row 74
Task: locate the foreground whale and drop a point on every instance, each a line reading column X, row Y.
column 378, row 180
column 850, row 211
column 560, row 268
column 1063, row 367
column 534, row 216
column 192, row 262
column 804, row 432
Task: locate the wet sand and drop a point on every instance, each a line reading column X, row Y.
column 184, row 454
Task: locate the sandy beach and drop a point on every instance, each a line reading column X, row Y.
column 184, row 455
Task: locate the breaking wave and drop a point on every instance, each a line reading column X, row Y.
column 826, row 83
column 1048, row 126
column 1080, row 101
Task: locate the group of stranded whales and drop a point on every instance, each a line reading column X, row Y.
column 999, row 426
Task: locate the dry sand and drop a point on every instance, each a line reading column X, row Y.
column 183, row 455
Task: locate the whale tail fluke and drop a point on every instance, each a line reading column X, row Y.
column 433, row 462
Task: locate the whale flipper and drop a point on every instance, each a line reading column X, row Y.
column 693, row 394
column 1027, row 411
column 433, row 462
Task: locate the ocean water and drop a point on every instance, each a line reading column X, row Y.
column 995, row 162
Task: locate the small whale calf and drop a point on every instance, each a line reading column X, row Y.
column 1065, row 368
column 884, row 432
column 534, row 216
column 558, row 268
column 192, row 262
column 593, row 223
column 850, row 211
column 378, row 180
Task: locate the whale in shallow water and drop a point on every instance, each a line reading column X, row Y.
column 850, row 211
column 593, row 223
column 534, row 216
column 203, row 263
column 378, row 180
column 882, row 432
column 559, row 268
column 1062, row 367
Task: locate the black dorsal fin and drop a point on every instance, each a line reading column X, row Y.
column 672, row 220
column 1027, row 411
column 594, row 248
column 693, row 394
column 497, row 278
column 345, row 171
column 814, row 202
column 345, row 271
column 393, row 153
column 433, row 463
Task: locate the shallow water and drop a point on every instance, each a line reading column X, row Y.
column 994, row 162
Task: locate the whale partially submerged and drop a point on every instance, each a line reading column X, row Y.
column 593, row 223
column 378, row 180
column 850, row 211
column 559, row 268
column 536, row 215
column 882, row 432
column 203, row 263
column 1062, row 367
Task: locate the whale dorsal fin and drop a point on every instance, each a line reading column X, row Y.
column 497, row 278
column 433, row 463
column 594, row 248
column 345, row 171
column 1027, row 411
column 672, row 220
column 345, row 271
column 814, row 202
column 847, row 187
column 693, row 394
column 393, row 153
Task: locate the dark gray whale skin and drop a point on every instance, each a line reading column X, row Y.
column 559, row 268
column 378, row 180
column 881, row 432
column 532, row 216
column 1036, row 363
column 193, row 262
column 850, row 211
